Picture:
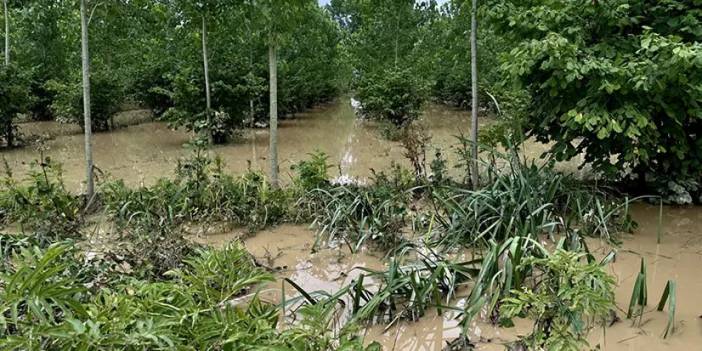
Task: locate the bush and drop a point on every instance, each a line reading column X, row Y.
column 41, row 204
column 312, row 173
column 567, row 299
column 14, row 99
column 106, row 95
column 395, row 95
column 230, row 94
column 616, row 81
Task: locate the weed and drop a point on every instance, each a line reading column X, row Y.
column 41, row 204
column 669, row 298
column 566, row 298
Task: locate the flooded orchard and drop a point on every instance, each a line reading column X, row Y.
column 143, row 151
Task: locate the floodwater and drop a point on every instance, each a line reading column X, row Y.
column 141, row 153
column 287, row 249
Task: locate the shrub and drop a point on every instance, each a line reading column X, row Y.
column 41, row 204
column 230, row 94
column 395, row 95
column 312, row 173
column 616, row 81
column 565, row 301
column 106, row 94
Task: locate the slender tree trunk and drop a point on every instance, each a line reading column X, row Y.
column 474, row 91
column 273, row 70
column 397, row 38
column 252, row 116
column 85, row 55
column 7, row 35
column 208, row 108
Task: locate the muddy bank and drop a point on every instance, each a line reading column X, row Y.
column 678, row 257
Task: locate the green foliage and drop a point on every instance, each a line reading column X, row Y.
column 669, row 298
column 396, row 95
column 408, row 289
column 356, row 214
column 312, row 173
column 106, row 94
column 14, row 99
column 525, row 200
column 37, row 292
column 201, row 192
column 565, row 301
column 210, row 304
column 213, row 281
column 41, row 204
column 617, row 81
column 230, row 96
column 639, row 296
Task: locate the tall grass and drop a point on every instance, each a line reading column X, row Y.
column 525, row 200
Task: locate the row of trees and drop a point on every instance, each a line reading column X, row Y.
column 617, row 81
column 209, row 66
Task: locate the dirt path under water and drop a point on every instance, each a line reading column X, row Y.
column 678, row 258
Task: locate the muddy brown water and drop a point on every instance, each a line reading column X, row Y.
column 141, row 153
column 678, row 257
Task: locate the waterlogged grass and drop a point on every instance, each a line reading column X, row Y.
column 525, row 200
column 406, row 290
column 182, row 295
column 199, row 192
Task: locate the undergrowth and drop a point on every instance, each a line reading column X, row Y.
column 209, row 304
column 154, row 289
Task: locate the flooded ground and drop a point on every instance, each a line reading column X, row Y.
column 141, row 153
column 679, row 257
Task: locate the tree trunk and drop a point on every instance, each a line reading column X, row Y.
column 474, row 91
column 254, row 149
column 7, row 35
column 9, row 134
column 90, row 188
column 208, row 99
column 273, row 70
